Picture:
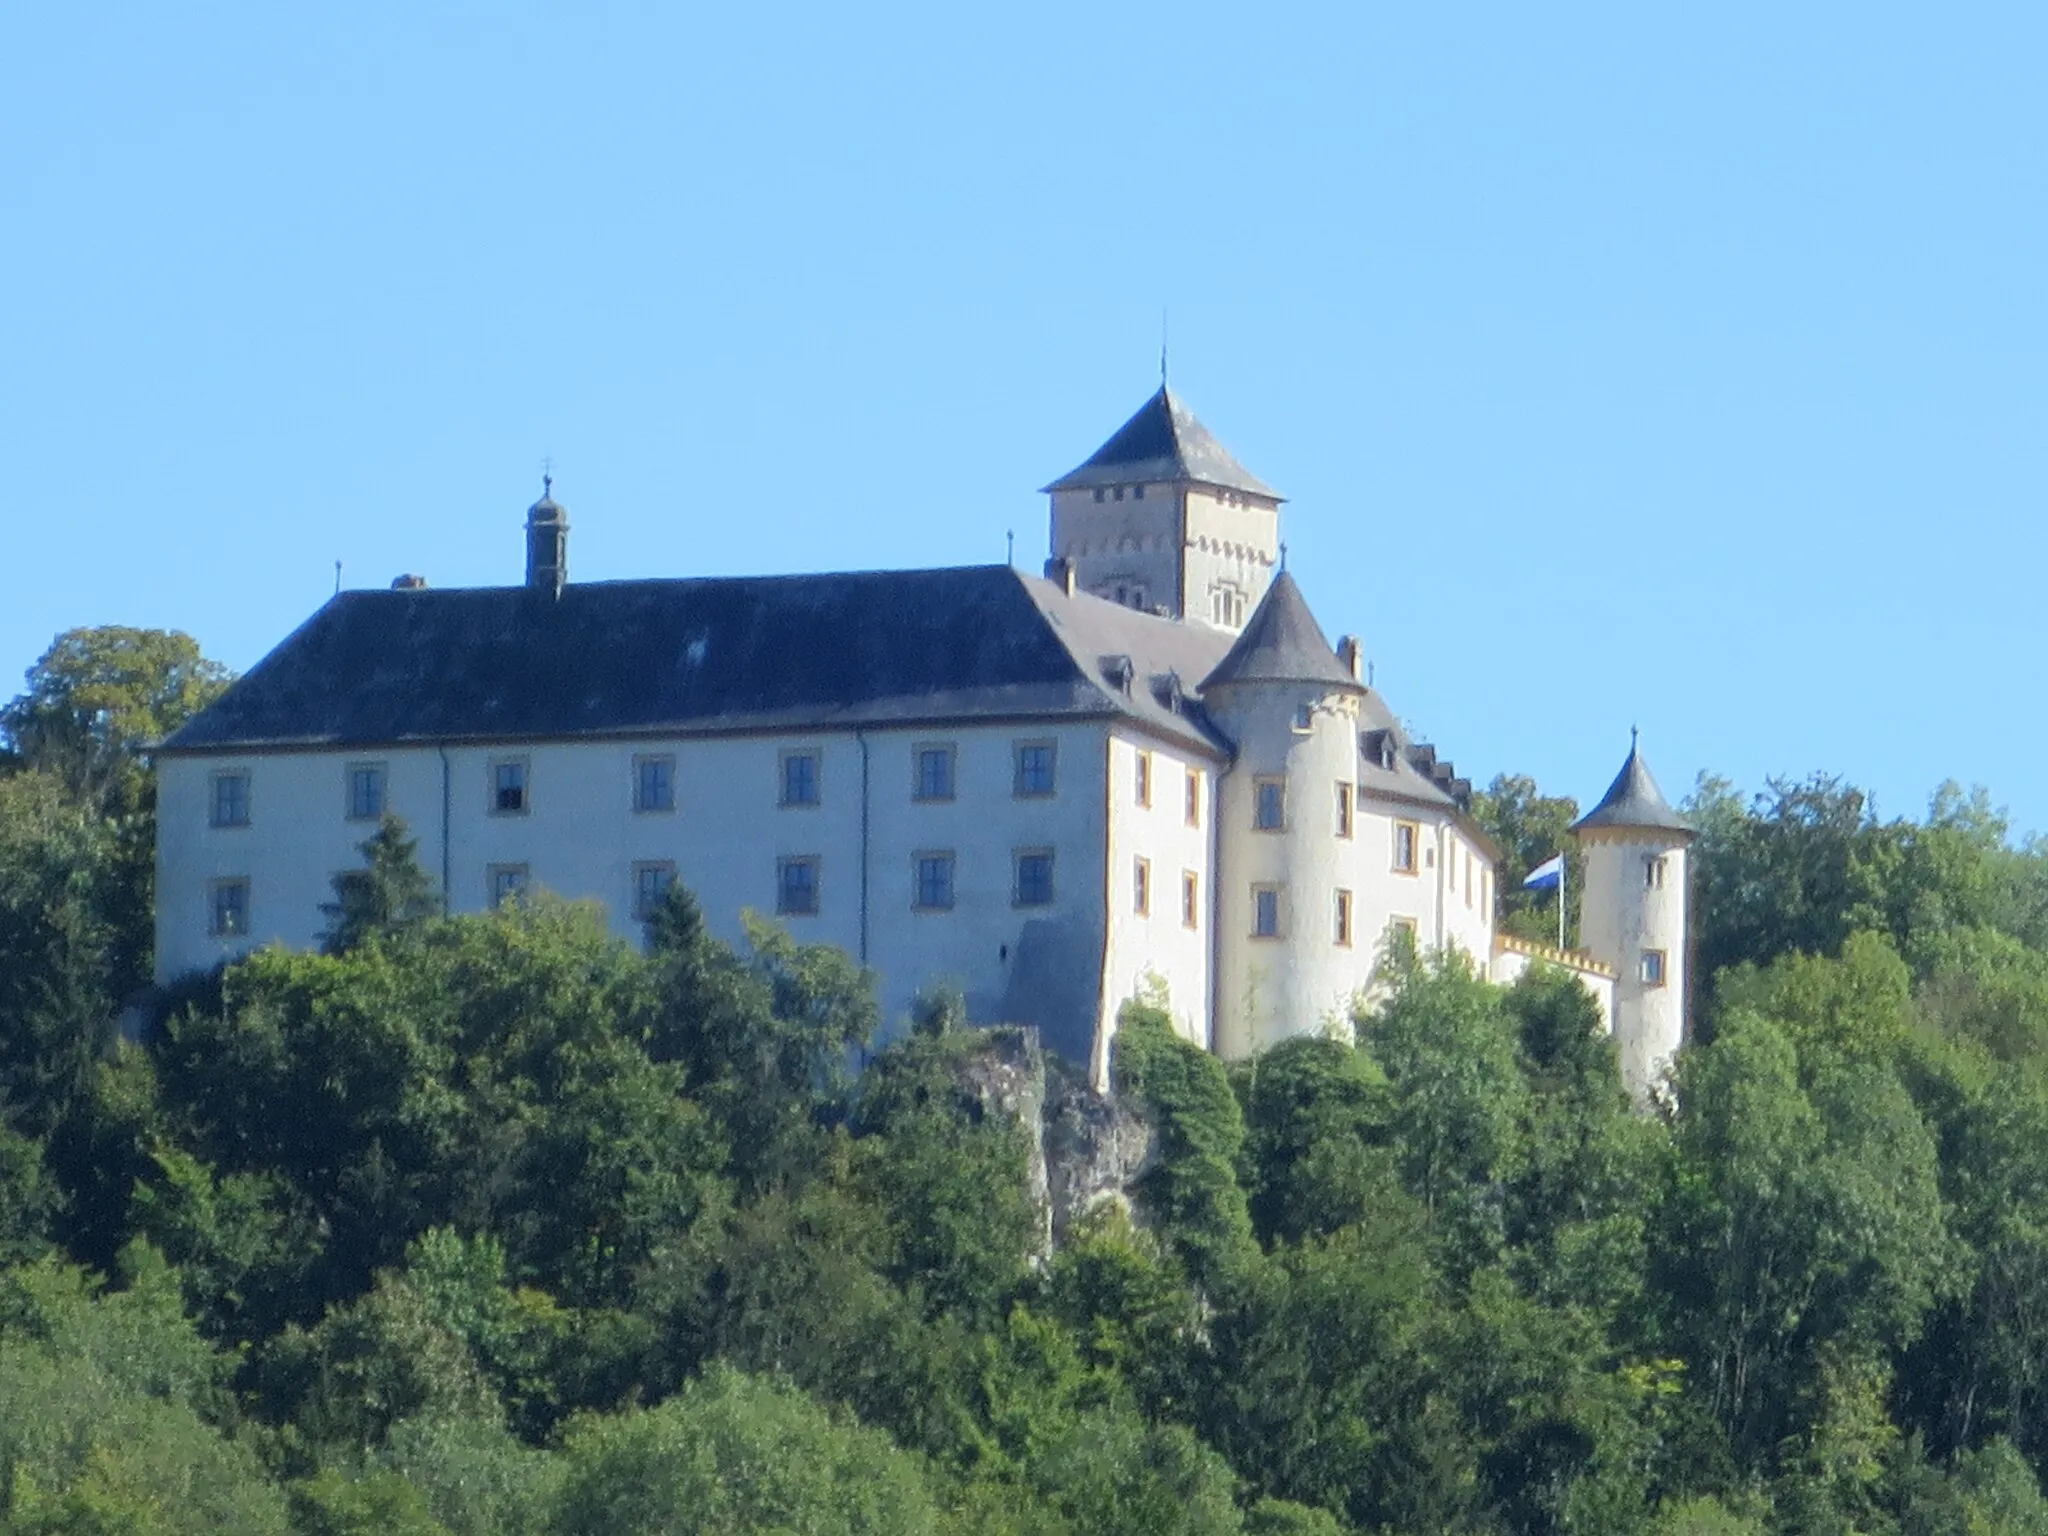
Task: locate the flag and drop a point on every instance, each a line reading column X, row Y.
column 1546, row 876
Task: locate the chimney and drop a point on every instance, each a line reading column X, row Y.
column 1351, row 652
column 547, row 542
column 408, row 583
column 1059, row 569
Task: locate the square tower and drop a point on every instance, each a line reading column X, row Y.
column 1163, row 519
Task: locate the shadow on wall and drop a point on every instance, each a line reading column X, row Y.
column 1055, row 986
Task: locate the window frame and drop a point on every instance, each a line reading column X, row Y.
column 785, row 756
column 643, row 909
column 348, row 791
column 1412, row 926
column 1413, row 831
column 786, row 862
column 1657, row 960
column 1347, row 810
column 949, row 752
column 1344, row 916
column 1653, row 872
column 1018, row 895
column 1141, row 886
column 1262, row 891
column 1192, row 812
column 214, row 781
column 218, row 886
column 642, row 761
column 950, row 860
column 525, row 766
column 1260, row 784
column 1142, row 779
column 494, row 874
column 1019, row 790
column 1190, row 899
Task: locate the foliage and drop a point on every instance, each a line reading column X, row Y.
column 495, row 1224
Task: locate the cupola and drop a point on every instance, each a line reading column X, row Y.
column 547, row 542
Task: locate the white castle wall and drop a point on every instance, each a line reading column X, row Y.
column 581, row 838
column 1268, row 989
column 1160, row 943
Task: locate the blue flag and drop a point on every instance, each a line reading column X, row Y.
column 1546, row 876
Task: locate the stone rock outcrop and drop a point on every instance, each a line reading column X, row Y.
column 1086, row 1149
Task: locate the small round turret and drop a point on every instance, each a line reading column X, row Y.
column 1290, row 709
column 1634, row 918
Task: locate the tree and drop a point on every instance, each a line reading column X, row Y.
column 391, row 895
column 1530, row 827
column 98, row 697
column 737, row 1453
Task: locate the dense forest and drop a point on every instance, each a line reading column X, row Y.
column 495, row 1224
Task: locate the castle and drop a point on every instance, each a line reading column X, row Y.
column 1147, row 766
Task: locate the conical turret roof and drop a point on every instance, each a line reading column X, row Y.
column 1634, row 800
column 1163, row 441
column 1282, row 644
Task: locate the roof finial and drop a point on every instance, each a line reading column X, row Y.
column 1631, row 741
column 1283, row 554
column 1009, row 546
column 1162, row 346
column 547, row 477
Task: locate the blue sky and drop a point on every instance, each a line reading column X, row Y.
column 1622, row 364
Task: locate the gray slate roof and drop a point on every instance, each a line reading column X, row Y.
column 1282, row 643
column 742, row 653
column 1163, row 441
column 1634, row 800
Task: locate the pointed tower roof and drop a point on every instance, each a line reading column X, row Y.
column 1163, row 441
column 1282, row 644
column 1633, row 800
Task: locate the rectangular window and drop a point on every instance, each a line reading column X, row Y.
column 1144, row 784
column 934, row 891
column 1468, row 877
column 1033, row 887
column 1141, row 887
column 1406, row 928
column 1406, row 838
column 1304, row 718
column 1486, row 893
column 1343, row 810
column 1194, row 805
column 1037, row 768
column 228, row 909
column 1343, row 919
column 365, row 791
column 651, row 882
column 1451, row 865
column 1653, row 873
column 796, row 886
column 1269, row 805
column 654, row 783
column 1190, row 899
column 508, row 787
column 230, row 800
column 1653, row 968
column 800, row 778
column 1265, row 911
column 934, row 779
column 507, row 883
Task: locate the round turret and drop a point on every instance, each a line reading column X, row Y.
column 1634, row 918
column 1286, row 964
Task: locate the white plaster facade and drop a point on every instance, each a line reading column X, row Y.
column 1171, row 865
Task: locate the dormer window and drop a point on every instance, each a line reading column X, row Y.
column 1137, row 493
column 1100, row 493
